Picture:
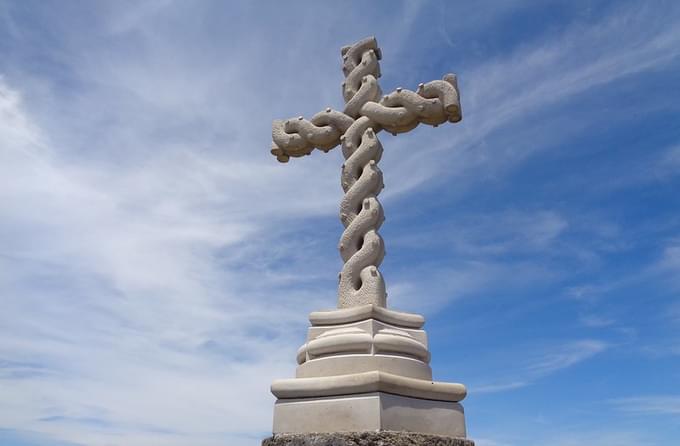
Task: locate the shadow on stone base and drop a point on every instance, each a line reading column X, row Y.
column 381, row 438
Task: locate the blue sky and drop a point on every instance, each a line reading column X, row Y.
column 157, row 264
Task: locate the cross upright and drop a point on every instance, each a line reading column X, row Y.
column 366, row 112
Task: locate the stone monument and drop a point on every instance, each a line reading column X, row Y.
column 363, row 376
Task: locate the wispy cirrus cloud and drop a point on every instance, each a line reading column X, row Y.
column 538, row 77
column 653, row 405
column 538, row 365
column 596, row 321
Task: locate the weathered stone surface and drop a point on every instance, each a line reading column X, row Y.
column 369, row 412
column 382, row 438
column 373, row 381
column 365, row 368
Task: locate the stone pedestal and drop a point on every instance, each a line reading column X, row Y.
column 365, row 439
column 365, row 369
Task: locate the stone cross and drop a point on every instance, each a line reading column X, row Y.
column 366, row 112
column 363, row 367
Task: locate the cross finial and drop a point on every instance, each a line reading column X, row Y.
column 366, row 112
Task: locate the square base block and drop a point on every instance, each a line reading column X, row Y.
column 375, row 411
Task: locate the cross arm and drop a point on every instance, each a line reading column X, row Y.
column 298, row 136
column 433, row 103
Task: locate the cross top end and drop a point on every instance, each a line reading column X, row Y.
column 355, row 128
column 432, row 103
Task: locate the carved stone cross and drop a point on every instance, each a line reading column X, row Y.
column 355, row 128
column 363, row 367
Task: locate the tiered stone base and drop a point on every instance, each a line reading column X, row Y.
column 382, row 438
column 365, row 369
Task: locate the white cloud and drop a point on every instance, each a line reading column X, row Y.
column 653, row 405
column 671, row 257
column 595, row 321
column 129, row 322
column 566, row 355
column 542, row 362
column 671, row 159
column 494, row 388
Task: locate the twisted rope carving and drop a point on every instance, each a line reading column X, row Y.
column 298, row 137
column 366, row 112
column 361, row 247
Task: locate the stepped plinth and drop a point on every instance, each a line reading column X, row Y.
column 366, row 368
